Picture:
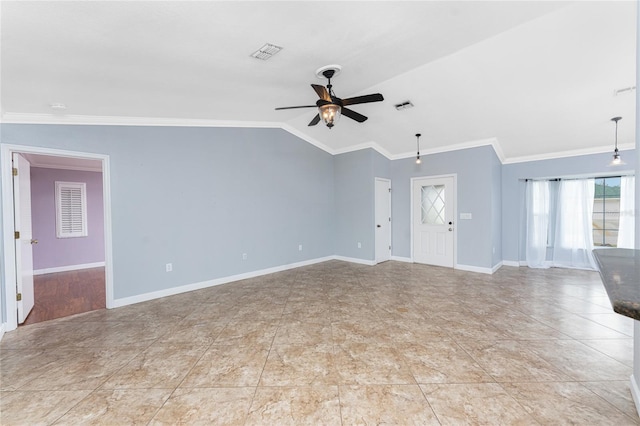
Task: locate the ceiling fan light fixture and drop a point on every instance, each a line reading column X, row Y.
column 330, row 114
column 418, row 161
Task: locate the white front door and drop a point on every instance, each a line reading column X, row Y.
column 24, row 252
column 383, row 219
column 433, row 213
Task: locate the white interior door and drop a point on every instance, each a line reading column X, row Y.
column 383, row 219
column 24, row 252
column 433, row 214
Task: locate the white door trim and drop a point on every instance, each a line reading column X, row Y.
column 8, row 246
column 455, row 212
column 375, row 244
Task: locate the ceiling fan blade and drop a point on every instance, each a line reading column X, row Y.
column 322, row 92
column 315, row 120
column 294, row 107
column 353, row 115
column 376, row 97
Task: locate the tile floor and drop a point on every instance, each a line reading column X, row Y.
column 336, row 344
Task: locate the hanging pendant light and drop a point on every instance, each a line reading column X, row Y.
column 418, row 161
column 616, row 155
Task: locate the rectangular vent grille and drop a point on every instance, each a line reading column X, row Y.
column 266, row 51
column 404, row 105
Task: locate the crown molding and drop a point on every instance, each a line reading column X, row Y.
column 367, row 145
column 109, row 120
column 28, row 118
column 100, row 120
column 493, row 142
column 295, row 132
column 572, row 153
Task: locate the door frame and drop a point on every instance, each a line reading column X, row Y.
column 375, row 235
column 455, row 212
column 10, row 306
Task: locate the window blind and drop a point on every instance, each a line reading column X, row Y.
column 71, row 209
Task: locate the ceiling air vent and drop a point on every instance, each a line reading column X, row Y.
column 266, row 51
column 404, row 105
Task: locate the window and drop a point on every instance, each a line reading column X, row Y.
column 71, row 209
column 433, row 205
column 606, row 212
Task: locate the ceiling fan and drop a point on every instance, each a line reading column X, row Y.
column 330, row 107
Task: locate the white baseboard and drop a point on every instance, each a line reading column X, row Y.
column 402, row 259
column 224, row 280
column 497, row 266
column 2, row 328
column 117, row 303
column 471, row 268
column 511, row 263
column 354, row 260
column 635, row 393
column 67, row 268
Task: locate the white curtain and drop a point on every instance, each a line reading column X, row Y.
column 574, row 225
column 626, row 229
column 537, row 200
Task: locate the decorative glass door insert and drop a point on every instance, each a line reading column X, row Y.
column 432, row 204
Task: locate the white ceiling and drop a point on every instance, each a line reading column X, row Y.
column 66, row 163
column 535, row 79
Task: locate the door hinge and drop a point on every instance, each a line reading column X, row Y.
column 389, row 247
column 389, row 189
column 19, row 297
column 389, row 219
column 14, row 171
column 17, row 235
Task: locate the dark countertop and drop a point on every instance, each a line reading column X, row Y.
column 620, row 273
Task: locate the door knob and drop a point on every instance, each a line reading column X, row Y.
column 450, row 223
column 378, row 226
column 450, row 229
column 34, row 241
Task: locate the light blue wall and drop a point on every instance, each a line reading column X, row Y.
column 200, row 197
column 354, row 201
column 355, row 174
column 381, row 166
column 496, row 209
column 513, row 194
column 475, row 170
column 264, row 191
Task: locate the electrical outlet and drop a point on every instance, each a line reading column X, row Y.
column 169, row 267
column 300, row 247
column 359, row 244
column 244, row 256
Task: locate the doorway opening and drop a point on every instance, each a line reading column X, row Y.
column 68, row 278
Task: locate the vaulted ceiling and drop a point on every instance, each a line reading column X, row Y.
column 535, row 79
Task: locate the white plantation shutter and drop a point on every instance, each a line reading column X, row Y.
column 71, row 209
